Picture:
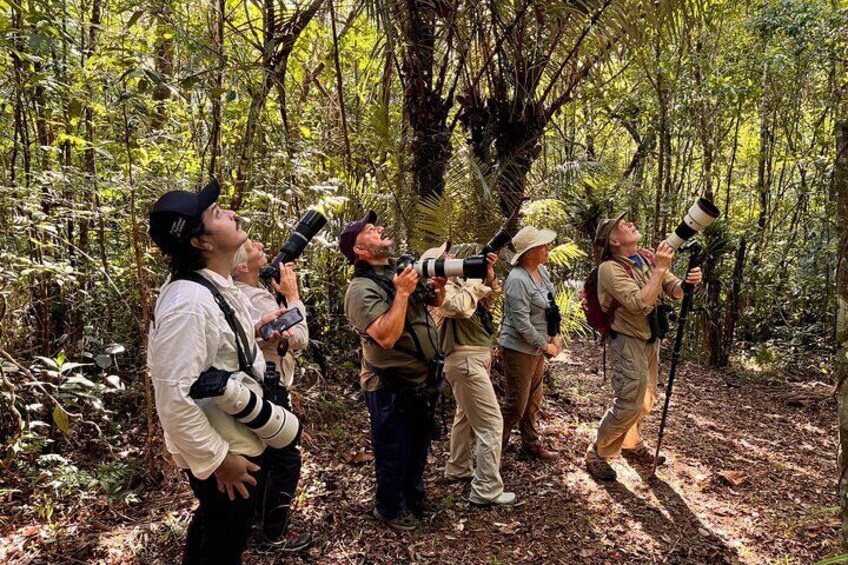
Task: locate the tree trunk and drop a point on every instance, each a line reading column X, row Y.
column 164, row 62
column 516, row 147
column 840, row 359
column 733, row 306
column 426, row 111
column 217, row 95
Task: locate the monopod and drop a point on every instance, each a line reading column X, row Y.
column 695, row 259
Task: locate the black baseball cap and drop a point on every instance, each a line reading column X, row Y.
column 348, row 238
column 175, row 217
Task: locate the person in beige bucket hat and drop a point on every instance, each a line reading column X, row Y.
column 525, row 337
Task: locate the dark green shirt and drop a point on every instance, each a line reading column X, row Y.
column 365, row 301
column 460, row 321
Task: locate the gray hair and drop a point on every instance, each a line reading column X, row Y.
column 239, row 259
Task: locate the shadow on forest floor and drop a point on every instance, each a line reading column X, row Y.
column 749, row 479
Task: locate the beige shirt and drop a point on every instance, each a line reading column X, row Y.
column 190, row 334
column 456, row 317
column 614, row 283
column 263, row 302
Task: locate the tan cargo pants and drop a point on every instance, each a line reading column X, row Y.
column 634, row 384
column 478, row 417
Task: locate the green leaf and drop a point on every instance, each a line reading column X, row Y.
column 103, row 361
column 60, row 417
column 114, row 349
column 134, row 18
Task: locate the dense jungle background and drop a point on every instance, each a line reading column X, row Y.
column 444, row 116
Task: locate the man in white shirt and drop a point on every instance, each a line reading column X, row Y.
column 282, row 465
column 222, row 456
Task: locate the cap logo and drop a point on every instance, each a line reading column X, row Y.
column 177, row 227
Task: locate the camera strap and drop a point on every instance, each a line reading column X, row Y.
column 242, row 343
column 365, row 270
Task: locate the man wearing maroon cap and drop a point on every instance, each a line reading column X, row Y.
column 400, row 364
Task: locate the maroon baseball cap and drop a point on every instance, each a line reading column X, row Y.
column 348, row 238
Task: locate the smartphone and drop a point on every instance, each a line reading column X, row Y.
column 281, row 324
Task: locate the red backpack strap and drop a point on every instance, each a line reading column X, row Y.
column 647, row 256
column 628, row 268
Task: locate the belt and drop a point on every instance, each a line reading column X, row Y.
column 472, row 348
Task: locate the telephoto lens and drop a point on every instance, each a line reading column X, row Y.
column 697, row 219
column 497, row 243
column 273, row 425
column 470, row 268
column 307, row 228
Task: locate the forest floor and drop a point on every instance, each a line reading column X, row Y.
column 750, row 479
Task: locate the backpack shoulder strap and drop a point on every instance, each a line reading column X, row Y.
column 647, row 256
column 628, row 268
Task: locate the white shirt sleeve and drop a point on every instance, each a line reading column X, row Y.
column 299, row 332
column 183, row 342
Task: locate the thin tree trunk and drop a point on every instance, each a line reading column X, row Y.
column 840, row 359
column 340, row 86
column 731, row 317
column 218, row 81
column 164, row 62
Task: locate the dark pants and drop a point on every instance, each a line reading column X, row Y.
column 283, row 467
column 220, row 527
column 401, row 426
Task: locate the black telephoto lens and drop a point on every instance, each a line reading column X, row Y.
column 307, row 228
column 497, row 243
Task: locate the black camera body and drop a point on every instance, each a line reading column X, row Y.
column 659, row 321
column 553, row 316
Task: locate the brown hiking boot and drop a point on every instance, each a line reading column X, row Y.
column 642, row 456
column 538, row 451
column 405, row 522
column 600, row 469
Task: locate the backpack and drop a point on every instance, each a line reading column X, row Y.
column 597, row 319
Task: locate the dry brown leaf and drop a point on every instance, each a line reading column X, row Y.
column 357, row 458
column 735, row 478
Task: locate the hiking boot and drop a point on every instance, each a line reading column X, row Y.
column 404, row 522
column 418, row 508
column 600, row 469
column 642, row 456
column 503, row 499
column 454, row 479
column 290, row 542
column 538, row 451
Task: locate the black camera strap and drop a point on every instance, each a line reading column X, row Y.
column 364, row 270
column 242, row 343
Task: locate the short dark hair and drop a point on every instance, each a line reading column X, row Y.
column 183, row 257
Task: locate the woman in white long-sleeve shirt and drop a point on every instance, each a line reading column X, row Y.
column 283, row 465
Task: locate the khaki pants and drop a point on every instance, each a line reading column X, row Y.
column 478, row 416
column 524, row 375
column 634, row 383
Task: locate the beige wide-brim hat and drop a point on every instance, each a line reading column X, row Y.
column 436, row 252
column 528, row 238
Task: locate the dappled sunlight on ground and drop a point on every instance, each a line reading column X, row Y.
column 748, row 481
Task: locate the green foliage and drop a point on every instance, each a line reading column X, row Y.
column 685, row 98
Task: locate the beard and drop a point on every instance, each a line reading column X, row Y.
column 382, row 251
